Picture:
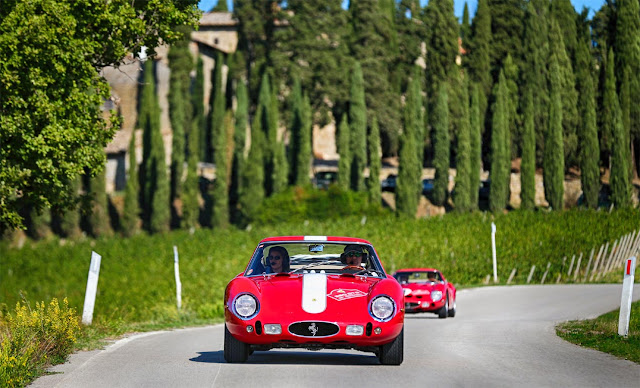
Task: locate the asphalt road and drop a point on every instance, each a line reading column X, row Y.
column 500, row 337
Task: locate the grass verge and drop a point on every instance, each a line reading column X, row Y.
column 602, row 334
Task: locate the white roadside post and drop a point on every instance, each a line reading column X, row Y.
column 92, row 287
column 493, row 251
column 625, row 301
column 177, row 271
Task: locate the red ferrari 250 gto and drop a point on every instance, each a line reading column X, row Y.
column 314, row 292
column 426, row 290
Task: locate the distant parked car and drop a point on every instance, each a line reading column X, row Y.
column 322, row 179
column 427, row 186
column 389, row 183
column 426, row 290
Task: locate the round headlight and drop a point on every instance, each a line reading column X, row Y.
column 436, row 295
column 245, row 305
column 382, row 308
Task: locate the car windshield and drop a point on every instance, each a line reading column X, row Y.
column 418, row 277
column 315, row 257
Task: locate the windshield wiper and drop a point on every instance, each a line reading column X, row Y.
column 314, row 265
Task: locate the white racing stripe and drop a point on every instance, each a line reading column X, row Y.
column 314, row 293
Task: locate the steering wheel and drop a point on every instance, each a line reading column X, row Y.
column 353, row 267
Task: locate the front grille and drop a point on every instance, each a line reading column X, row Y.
column 314, row 329
column 411, row 306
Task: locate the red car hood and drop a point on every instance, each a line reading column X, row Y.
column 305, row 297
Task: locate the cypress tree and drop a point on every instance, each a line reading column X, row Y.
column 68, row 220
column 568, row 94
column 409, row 186
column 295, row 128
column 535, row 74
column 217, row 110
column 553, row 152
column 506, row 32
column 627, row 56
column 154, row 177
column 280, row 169
column 130, row 216
column 190, row 203
column 180, row 63
column 513, row 98
column 358, row 129
column 344, row 149
column 262, row 121
column 99, row 215
column 500, row 155
column 239, row 157
column 462, row 198
column 566, row 16
column 589, row 150
column 371, row 45
column 252, row 179
column 221, row 6
column 528, row 165
column 475, row 163
column 465, row 27
column 39, row 224
column 441, row 144
column 300, row 144
column 606, row 111
column 197, row 102
column 220, row 213
column 479, row 63
column 375, row 163
column 620, row 181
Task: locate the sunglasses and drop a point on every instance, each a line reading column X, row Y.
column 353, row 254
column 274, row 258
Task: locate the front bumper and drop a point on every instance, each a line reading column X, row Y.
column 415, row 305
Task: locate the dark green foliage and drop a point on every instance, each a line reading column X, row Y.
column 98, row 217
column 190, row 202
column 568, row 94
column 344, row 149
column 217, row 107
column 535, row 74
column 156, row 209
column 627, row 55
column 313, row 49
column 506, row 32
column 280, row 168
column 441, row 144
column 180, row 111
column 411, row 33
column 220, row 211
column 442, row 43
column 620, row 180
column 463, row 189
column 500, row 152
column 479, row 63
column 300, row 143
column 252, row 178
column 68, row 220
column 553, row 145
column 608, row 101
column 513, row 102
column 565, row 15
column 239, row 156
column 197, row 101
column 528, row 165
column 375, row 163
column 53, row 127
column 221, row 6
column 475, row 160
column 39, row 224
column 409, row 183
column 465, row 27
column 358, row 129
column 589, row 149
column 131, row 213
column 370, row 45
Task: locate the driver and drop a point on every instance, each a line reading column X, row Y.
column 278, row 260
column 353, row 255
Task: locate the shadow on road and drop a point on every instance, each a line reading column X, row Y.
column 421, row 316
column 294, row 358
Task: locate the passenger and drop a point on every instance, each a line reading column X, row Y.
column 353, row 255
column 432, row 276
column 278, row 260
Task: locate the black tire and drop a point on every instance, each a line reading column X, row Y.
column 393, row 352
column 452, row 312
column 443, row 312
column 234, row 350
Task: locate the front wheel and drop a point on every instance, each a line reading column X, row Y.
column 234, row 350
column 393, row 352
column 452, row 311
column 443, row 312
